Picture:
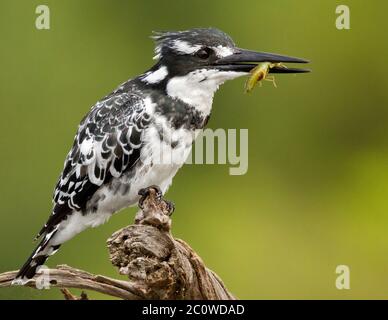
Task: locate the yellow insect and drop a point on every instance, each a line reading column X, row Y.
column 259, row 73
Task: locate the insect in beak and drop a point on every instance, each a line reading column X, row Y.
column 245, row 60
column 259, row 64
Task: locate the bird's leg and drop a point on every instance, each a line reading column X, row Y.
column 155, row 194
column 153, row 191
column 154, row 209
column 170, row 207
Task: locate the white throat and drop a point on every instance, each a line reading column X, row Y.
column 198, row 87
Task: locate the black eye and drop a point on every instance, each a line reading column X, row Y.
column 204, row 53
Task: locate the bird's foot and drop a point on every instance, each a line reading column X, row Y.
column 155, row 210
column 152, row 191
column 170, row 207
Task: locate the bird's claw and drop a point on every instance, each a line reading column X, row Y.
column 146, row 192
column 171, row 207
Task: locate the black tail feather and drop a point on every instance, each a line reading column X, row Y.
column 29, row 268
column 36, row 259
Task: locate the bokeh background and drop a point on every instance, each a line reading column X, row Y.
column 316, row 193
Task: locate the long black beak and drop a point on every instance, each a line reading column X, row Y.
column 245, row 60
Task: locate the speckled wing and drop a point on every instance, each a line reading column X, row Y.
column 107, row 143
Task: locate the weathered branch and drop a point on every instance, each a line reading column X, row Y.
column 157, row 265
column 67, row 277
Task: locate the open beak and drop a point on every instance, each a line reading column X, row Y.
column 245, row 60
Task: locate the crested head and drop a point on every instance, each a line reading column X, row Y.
column 190, row 41
column 185, row 66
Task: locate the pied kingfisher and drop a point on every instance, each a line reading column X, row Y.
column 118, row 143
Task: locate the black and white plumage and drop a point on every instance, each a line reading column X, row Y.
column 120, row 143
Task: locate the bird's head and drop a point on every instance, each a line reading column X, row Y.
column 192, row 64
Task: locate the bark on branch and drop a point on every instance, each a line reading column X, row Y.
column 157, row 265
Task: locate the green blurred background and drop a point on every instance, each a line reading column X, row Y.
column 316, row 193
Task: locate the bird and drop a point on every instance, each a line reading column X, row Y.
column 119, row 144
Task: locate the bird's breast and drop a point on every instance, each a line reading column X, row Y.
column 164, row 150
